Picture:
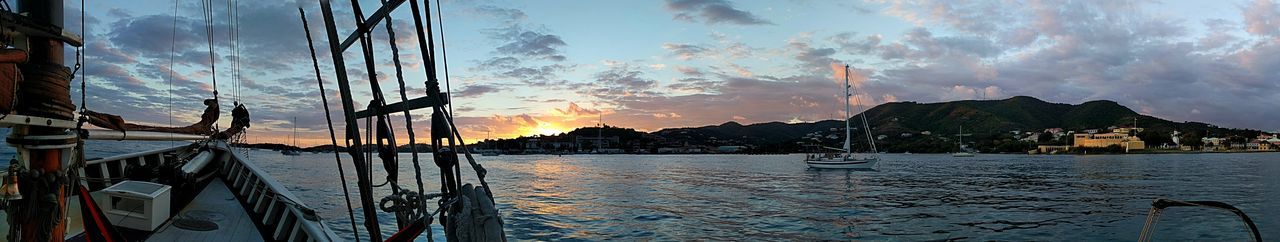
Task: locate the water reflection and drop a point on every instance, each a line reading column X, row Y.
column 909, row 197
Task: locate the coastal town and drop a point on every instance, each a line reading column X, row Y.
column 614, row 140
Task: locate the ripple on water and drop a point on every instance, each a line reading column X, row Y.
column 910, row 197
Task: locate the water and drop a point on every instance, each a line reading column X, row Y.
column 911, row 197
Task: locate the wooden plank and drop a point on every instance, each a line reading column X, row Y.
column 236, row 224
column 412, row 104
column 372, row 22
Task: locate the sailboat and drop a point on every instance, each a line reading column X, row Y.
column 293, row 150
column 962, row 152
column 847, row 159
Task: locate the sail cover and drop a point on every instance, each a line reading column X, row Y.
column 204, row 127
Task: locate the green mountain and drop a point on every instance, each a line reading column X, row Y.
column 985, row 119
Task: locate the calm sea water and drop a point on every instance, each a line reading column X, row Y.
column 910, row 197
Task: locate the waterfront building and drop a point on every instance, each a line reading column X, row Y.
column 1053, row 149
column 1120, row 138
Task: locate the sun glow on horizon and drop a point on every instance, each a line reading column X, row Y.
column 544, row 128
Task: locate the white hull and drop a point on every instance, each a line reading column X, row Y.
column 962, row 154
column 843, row 164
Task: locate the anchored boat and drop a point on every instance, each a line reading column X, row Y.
column 845, row 158
column 961, row 151
column 293, row 151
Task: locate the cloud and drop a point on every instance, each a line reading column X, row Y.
column 1076, row 51
column 689, row 71
column 1262, row 17
column 667, row 115
column 576, row 111
column 528, row 43
column 695, row 84
column 503, row 14
column 684, row 51
column 811, row 58
column 518, row 120
column 619, row 82
column 712, row 12
column 476, row 90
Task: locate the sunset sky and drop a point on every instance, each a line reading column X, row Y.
column 542, row 67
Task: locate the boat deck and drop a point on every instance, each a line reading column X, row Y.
column 215, row 204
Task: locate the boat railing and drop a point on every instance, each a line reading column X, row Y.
column 284, row 217
column 1158, row 206
column 281, row 216
column 104, row 172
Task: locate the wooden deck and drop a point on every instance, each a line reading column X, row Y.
column 217, row 202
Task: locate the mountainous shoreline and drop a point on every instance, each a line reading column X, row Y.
column 994, row 125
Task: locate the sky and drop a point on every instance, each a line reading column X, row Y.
column 543, row 67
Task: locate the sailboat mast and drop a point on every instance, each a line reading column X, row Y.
column 847, row 133
column 600, row 131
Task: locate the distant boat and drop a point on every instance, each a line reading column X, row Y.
column 962, row 152
column 293, row 151
column 847, row 159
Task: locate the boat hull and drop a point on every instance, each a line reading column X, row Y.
column 962, row 154
column 842, row 164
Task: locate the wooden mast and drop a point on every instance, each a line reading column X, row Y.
column 45, row 69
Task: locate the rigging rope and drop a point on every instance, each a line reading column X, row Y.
column 208, row 29
column 173, row 48
column 444, row 57
column 333, row 137
column 408, row 118
column 479, row 169
column 84, row 78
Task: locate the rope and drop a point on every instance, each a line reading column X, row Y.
column 408, row 119
column 333, row 137
column 173, row 48
column 84, row 78
column 444, row 57
column 208, row 29
column 480, row 171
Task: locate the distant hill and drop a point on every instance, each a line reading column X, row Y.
column 754, row 134
column 979, row 117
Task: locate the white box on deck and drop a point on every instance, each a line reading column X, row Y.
column 135, row 204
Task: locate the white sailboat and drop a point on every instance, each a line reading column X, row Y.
column 847, row 159
column 962, row 152
column 294, row 150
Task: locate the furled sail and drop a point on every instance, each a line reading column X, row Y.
column 239, row 121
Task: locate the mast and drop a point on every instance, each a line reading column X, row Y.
column 847, row 132
column 44, row 93
column 295, row 132
column 600, row 131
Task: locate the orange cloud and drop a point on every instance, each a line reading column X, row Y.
column 576, row 111
column 667, row 115
column 856, row 76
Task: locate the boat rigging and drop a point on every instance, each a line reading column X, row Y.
column 847, row 159
column 466, row 212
